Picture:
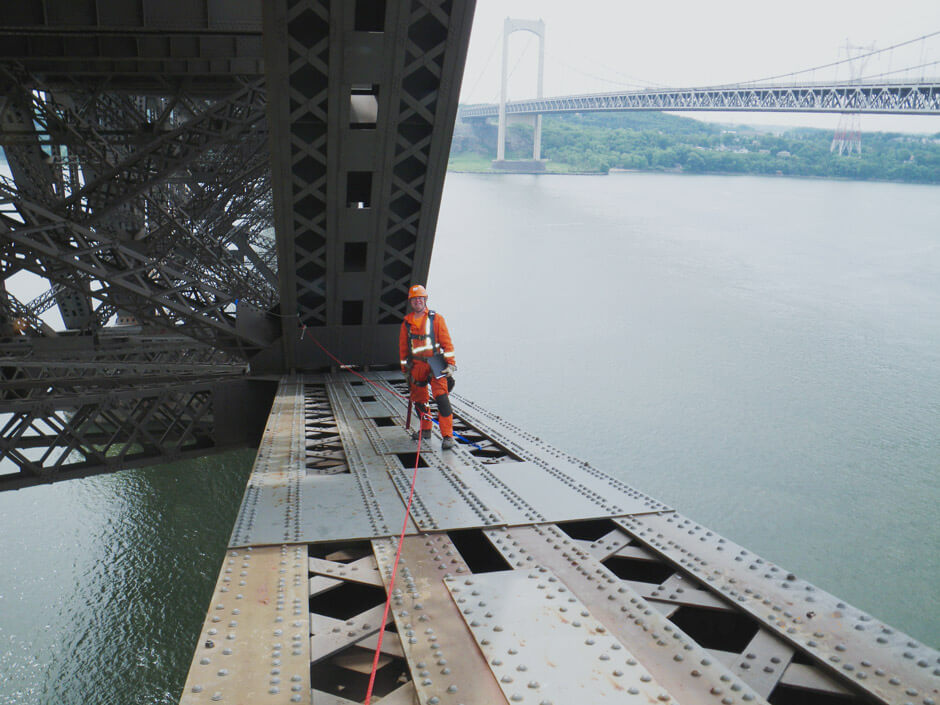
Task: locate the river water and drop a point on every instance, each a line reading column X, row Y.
column 761, row 354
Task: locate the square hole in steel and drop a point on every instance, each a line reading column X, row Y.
column 349, row 684
column 340, row 551
column 408, row 459
column 477, row 552
column 588, row 529
column 791, row 695
column 640, row 570
column 724, row 630
column 347, row 600
column 384, row 421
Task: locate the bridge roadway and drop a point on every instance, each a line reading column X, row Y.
column 527, row 576
column 908, row 98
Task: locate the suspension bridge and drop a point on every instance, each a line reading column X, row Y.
column 229, row 202
column 883, row 93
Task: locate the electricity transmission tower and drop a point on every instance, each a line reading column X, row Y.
column 848, row 135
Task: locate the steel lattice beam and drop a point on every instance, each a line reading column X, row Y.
column 95, row 424
column 889, row 98
column 361, row 115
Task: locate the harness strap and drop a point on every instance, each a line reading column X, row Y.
column 421, row 336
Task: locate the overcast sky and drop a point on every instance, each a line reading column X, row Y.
column 592, row 45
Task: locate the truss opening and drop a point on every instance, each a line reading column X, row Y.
column 369, row 16
column 639, row 570
column 724, row 630
column 341, row 676
column 352, row 313
column 340, row 551
column 363, row 107
column 481, row 446
column 791, row 695
column 354, row 256
column 408, row 460
column 384, row 421
column 477, row 552
column 347, row 600
column 588, row 529
column 359, row 189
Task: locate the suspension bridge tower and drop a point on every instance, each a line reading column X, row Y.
column 536, row 27
column 848, row 135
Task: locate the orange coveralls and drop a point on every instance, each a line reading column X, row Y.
column 416, row 343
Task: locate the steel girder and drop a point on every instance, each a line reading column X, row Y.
column 893, row 98
column 112, row 428
column 78, row 405
column 143, row 185
column 360, row 112
column 136, row 46
column 142, row 203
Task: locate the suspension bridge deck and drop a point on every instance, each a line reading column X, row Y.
column 526, row 575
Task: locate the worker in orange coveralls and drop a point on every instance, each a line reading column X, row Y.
column 427, row 359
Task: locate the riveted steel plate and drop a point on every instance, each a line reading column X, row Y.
column 542, row 643
column 270, row 507
column 848, row 642
column 445, row 502
column 763, row 662
column 345, row 509
column 373, row 409
column 329, row 635
column 446, row 665
column 689, row 672
column 561, row 493
column 581, row 475
column 398, row 440
column 257, row 622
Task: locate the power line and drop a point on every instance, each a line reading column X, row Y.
column 525, row 50
column 634, row 81
column 837, row 63
column 485, row 67
column 904, row 70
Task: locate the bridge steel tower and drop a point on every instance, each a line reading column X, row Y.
column 537, row 27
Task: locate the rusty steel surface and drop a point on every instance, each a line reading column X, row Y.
column 887, row 664
column 254, row 646
column 686, row 670
column 504, row 596
column 544, row 645
column 447, row 667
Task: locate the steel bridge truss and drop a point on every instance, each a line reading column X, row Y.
column 892, row 98
column 75, row 405
column 526, row 575
column 153, row 207
column 145, row 185
column 362, row 99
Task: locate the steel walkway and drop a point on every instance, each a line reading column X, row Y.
column 526, row 576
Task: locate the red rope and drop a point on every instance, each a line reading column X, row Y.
column 391, row 583
column 404, row 526
column 348, row 368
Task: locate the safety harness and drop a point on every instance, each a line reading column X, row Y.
column 429, row 341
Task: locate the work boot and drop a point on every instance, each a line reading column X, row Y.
column 425, row 434
column 447, row 443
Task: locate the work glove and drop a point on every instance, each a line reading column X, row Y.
column 449, row 370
